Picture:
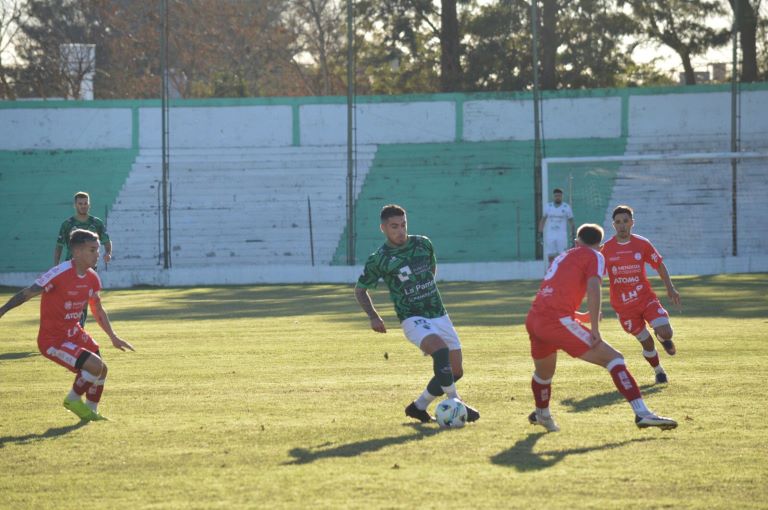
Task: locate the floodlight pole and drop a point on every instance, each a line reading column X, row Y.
column 350, row 134
column 537, row 183
column 735, row 128
column 164, row 128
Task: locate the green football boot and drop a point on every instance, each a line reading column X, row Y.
column 79, row 408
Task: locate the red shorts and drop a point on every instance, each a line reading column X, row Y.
column 633, row 319
column 548, row 334
column 66, row 352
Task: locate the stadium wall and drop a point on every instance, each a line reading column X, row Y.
column 671, row 119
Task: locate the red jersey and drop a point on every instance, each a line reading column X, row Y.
column 625, row 265
column 565, row 283
column 65, row 294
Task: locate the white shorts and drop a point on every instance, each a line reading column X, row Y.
column 555, row 244
column 417, row 328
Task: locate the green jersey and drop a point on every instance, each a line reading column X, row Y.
column 408, row 271
column 93, row 224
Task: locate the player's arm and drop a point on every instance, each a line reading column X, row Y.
column 672, row 292
column 542, row 221
column 594, row 298
column 21, row 297
column 57, row 254
column 103, row 320
column 365, row 302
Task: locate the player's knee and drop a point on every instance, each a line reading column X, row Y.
column 458, row 373
column 664, row 332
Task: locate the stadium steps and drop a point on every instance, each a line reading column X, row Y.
column 474, row 199
column 685, row 208
column 36, row 190
column 237, row 206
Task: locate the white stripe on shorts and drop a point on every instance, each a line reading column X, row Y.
column 577, row 330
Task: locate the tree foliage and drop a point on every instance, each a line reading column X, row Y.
column 238, row 48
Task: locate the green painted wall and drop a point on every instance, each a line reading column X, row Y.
column 475, row 200
column 36, row 190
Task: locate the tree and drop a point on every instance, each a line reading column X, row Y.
column 747, row 27
column 680, row 25
column 11, row 17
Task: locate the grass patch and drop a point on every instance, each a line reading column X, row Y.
column 281, row 397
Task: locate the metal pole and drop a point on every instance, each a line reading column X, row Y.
column 537, row 181
column 311, row 237
column 350, row 134
column 164, row 128
column 734, row 128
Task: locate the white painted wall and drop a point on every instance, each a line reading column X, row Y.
column 417, row 122
column 219, row 126
column 563, row 118
column 65, row 128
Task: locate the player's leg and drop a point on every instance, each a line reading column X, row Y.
column 634, row 324
column 604, row 355
column 544, row 355
column 663, row 330
column 72, row 357
column 446, row 331
column 422, row 333
column 541, row 385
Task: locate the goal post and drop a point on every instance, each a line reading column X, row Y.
column 713, row 200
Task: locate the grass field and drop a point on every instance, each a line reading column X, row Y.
column 281, row 397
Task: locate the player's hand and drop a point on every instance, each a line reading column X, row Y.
column 107, row 258
column 674, row 295
column 122, row 344
column 377, row 324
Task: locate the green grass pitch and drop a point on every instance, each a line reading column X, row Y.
column 281, row 397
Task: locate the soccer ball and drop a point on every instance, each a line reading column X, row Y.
column 451, row 413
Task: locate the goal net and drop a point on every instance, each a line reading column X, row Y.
column 688, row 205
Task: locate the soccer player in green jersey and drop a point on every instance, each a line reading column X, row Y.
column 82, row 220
column 407, row 264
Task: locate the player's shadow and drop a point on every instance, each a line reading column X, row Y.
column 51, row 433
column 9, row 356
column 604, row 399
column 307, row 455
column 523, row 457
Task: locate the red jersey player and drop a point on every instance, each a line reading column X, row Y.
column 635, row 303
column 554, row 324
column 67, row 288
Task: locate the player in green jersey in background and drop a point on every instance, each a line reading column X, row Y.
column 407, row 264
column 82, row 220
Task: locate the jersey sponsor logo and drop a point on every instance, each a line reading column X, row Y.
column 629, row 267
column 625, row 279
column 68, row 305
column 73, row 315
column 404, row 274
column 546, row 291
column 629, row 296
column 614, row 270
column 72, row 293
column 654, row 257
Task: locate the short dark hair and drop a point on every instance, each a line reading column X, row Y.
column 622, row 209
column 557, row 190
column 390, row 211
column 81, row 194
column 590, row 234
column 82, row 236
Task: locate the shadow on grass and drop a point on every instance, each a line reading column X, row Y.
column 605, row 399
column 522, row 457
column 51, row 433
column 503, row 303
column 307, row 455
column 9, row 356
